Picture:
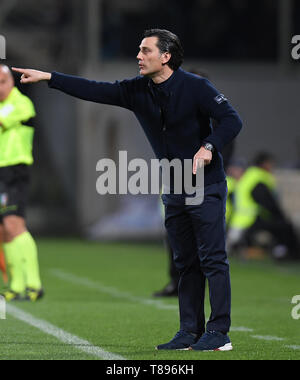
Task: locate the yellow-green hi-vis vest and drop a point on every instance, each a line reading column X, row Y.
column 16, row 139
column 246, row 209
column 231, row 185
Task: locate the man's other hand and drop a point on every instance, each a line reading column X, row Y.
column 202, row 157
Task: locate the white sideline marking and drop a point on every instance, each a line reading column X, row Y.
column 109, row 290
column 63, row 336
column 69, row 277
column 267, row 337
column 293, row 347
column 241, row 329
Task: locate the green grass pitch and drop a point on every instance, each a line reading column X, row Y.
column 101, row 293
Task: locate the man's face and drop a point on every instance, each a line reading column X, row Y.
column 6, row 83
column 268, row 165
column 151, row 61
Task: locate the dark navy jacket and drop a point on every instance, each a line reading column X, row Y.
column 175, row 115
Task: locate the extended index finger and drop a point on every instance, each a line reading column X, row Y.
column 198, row 163
column 18, row 70
column 195, row 165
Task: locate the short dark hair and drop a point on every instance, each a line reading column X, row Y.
column 263, row 157
column 168, row 42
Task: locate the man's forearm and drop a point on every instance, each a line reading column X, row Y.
column 228, row 128
column 47, row 76
column 99, row 92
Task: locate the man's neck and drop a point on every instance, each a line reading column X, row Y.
column 7, row 95
column 163, row 75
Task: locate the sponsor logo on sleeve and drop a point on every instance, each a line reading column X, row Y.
column 220, row 99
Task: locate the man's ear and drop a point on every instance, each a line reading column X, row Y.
column 166, row 58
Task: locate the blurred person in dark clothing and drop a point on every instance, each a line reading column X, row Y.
column 258, row 209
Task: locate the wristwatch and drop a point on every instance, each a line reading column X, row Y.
column 208, row 146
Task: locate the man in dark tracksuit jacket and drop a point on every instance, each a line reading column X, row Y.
column 174, row 109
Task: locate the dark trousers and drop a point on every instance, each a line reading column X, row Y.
column 197, row 237
column 173, row 272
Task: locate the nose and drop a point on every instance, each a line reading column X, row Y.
column 139, row 55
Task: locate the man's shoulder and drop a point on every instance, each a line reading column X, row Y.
column 135, row 86
column 136, row 81
column 193, row 78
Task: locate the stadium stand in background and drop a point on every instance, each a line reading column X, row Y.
column 96, row 39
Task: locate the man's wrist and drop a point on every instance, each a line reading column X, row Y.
column 208, row 146
column 47, row 76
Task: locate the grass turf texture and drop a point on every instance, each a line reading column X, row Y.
column 100, row 293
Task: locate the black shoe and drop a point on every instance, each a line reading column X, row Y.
column 170, row 290
column 212, row 341
column 181, row 341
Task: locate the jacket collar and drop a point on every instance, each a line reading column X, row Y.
column 168, row 84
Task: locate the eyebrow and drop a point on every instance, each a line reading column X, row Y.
column 144, row 47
